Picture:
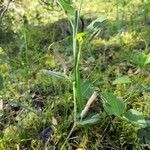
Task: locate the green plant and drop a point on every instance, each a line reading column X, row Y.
column 114, row 106
column 141, row 59
column 78, row 39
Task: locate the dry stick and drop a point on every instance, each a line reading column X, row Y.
column 87, row 106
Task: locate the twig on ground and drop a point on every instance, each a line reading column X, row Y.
column 87, row 106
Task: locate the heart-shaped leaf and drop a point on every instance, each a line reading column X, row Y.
column 116, row 106
column 140, row 59
column 108, row 109
column 135, row 117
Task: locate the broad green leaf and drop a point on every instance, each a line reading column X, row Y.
column 55, row 74
column 140, row 59
column 109, row 109
column 96, row 24
column 117, row 106
column 1, row 82
column 89, row 120
column 67, row 6
column 135, row 117
column 122, row 80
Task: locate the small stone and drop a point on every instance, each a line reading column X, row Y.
column 46, row 134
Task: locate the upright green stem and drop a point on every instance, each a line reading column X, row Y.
column 76, row 75
column 76, row 51
column 75, row 102
column 76, row 72
column 75, row 30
